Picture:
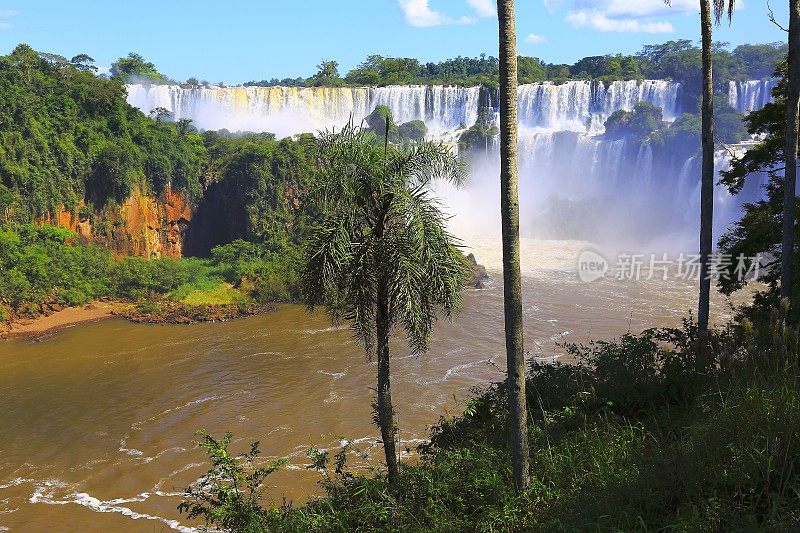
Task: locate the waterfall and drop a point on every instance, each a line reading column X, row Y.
column 752, row 95
column 583, row 106
column 574, row 182
column 290, row 110
column 580, row 106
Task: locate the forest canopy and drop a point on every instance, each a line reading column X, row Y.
column 68, row 136
column 678, row 60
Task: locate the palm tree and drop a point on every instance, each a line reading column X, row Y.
column 790, row 172
column 509, row 210
column 380, row 256
column 707, row 147
column 707, row 172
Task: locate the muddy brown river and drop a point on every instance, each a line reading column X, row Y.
column 97, row 421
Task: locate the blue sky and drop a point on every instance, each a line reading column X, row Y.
column 240, row 40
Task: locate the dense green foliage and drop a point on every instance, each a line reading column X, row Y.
column 327, row 75
column 477, row 138
column 255, row 186
column 46, row 263
column 67, row 137
column 681, row 138
column 677, row 60
column 759, row 231
column 408, row 132
column 639, row 123
column 729, row 125
column 133, row 68
column 37, row 262
column 684, row 131
column 412, row 131
column 653, row 432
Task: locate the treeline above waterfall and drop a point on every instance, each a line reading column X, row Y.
column 678, row 61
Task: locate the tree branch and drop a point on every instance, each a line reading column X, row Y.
column 771, row 15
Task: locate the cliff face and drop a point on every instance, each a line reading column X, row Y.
column 147, row 226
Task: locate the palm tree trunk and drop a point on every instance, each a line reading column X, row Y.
column 707, row 175
column 792, row 127
column 512, row 277
column 385, row 409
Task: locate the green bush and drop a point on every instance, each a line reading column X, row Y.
column 41, row 261
column 228, row 496
column 639, row 123
column 136, row 276
column 267, row 276
column 412, row 131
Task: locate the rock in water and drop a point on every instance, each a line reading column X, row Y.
column 477, row 273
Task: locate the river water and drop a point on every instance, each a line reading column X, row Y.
column 97, row 421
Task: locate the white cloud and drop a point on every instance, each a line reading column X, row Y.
column 597, row 20
column 483, row 8
column 636, row 8
column 6, row 14
column 535, row 39
column 633, row 16
column 418, row 13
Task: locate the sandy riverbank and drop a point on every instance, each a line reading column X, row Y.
column 65, row 318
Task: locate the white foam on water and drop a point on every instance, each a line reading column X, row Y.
column 334, row 375
column 44, row 493
column 15, row 482
column 90, row 502
column 128, row 451
column 320, row 330
column 45, row 490
column 457, row 369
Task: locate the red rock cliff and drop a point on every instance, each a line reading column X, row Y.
column 147, row 226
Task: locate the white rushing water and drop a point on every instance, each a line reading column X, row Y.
column 291, row 110
column 575, row 184
column 751, row 95
column 583, row 106
column 576, row 105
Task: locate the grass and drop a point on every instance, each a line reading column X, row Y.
column 210, row 292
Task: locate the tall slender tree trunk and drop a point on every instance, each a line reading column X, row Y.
column 512, row 277
column 707, row 174
column 385, row 409
column 792, row 127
